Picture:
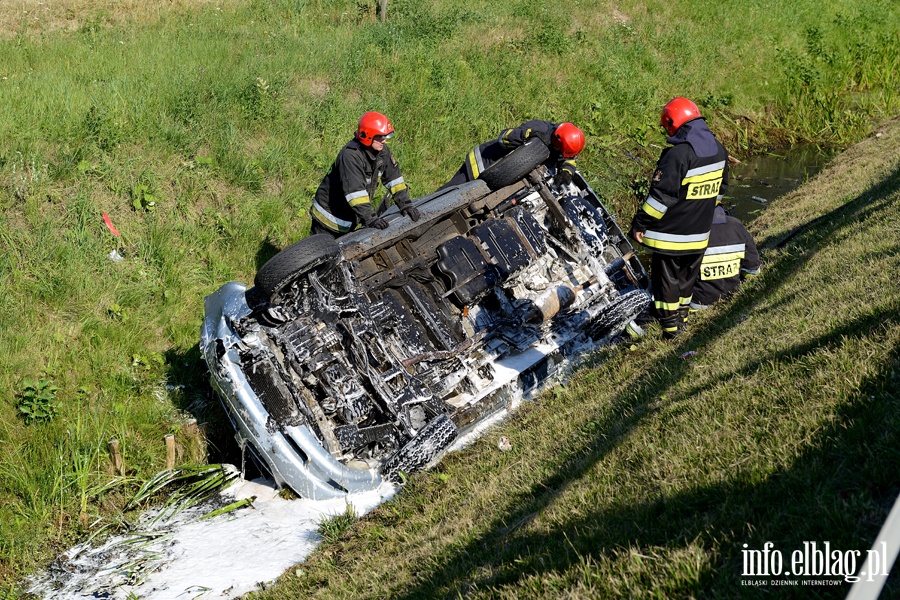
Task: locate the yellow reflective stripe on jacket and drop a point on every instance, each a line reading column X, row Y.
column 704, row 173
column 475, row 162
column 358, row 197
column 654, row 207
column 360, row 200
column 671, row 241
column 722, row 262
column 712, row 175
column 704, row 182
column 328, row 220
column 396, row 185
column 725, row 257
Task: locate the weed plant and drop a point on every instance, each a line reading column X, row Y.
column 202, row 129
column 333, row 528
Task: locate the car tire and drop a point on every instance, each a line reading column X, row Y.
column 255, row 298
column 619, row 313
column 515, row 165
column 431, row 440
column 297, row 260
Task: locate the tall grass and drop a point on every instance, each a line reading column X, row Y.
column 652, row 469
column 203, row 130
column 828, row 81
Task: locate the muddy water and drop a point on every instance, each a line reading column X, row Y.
column 759, row 180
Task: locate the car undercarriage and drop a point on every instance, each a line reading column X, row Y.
column 354, row 360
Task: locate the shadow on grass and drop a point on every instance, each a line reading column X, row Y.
column 879, row 192
column 188, row 373
column 837, row 491
column 266, row 251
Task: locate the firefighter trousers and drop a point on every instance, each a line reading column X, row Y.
column 672, row 278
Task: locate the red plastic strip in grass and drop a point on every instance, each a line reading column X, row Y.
column 109, row 224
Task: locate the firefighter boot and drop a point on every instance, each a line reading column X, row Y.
column 672, row 326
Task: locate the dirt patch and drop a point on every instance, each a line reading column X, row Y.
column 600, row 18
column 273, row 186
column 316, row 87
column 40, row 16
column 620, row 17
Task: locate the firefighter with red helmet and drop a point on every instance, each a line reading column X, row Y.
column 675, row 219
column 345, row 198
column 564, row 140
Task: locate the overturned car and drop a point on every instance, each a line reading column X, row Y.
column 350, row 361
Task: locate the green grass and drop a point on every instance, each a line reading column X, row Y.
column 646, row 473
column 225, row 116
column 333, row 528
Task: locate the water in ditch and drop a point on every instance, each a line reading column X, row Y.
column 757, row 181
column 228, row 556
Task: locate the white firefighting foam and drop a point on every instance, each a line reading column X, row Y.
column 223, row 557
column 239, row 552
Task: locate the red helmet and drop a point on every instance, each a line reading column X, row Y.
column 676, row 113
column 568, row 139
column 370, row 125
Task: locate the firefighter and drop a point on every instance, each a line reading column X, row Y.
column 675, row 219
column 564, row 140
column 730, row 257
column 345, row 198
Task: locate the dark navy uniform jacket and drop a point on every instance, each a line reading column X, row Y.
column 345, row 197
column 730, row 257
column 690, row 177
column 486, row 154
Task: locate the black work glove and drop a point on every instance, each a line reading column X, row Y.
column 563, row 177
column 377, row 223
column 412, row 212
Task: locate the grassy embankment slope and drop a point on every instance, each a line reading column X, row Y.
column 646, row 473
column 202, row 128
